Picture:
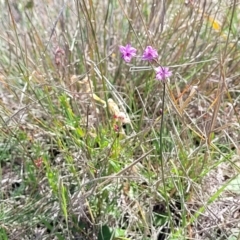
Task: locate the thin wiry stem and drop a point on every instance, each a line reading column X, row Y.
column 161, row 149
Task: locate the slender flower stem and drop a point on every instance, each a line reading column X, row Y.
column 160, row 136
column 161, row 150
column 161, row 127
column 142, row 68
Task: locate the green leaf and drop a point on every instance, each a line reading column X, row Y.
column 3, row 234
column 29, row 4
column 234, row 185
column 105, row 233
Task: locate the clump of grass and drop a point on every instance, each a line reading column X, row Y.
column 91, row 149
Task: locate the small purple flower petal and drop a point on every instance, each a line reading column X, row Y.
column 149, row 53
column 127, row 52
column 162, row 73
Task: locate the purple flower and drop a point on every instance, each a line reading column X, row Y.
column 127, row 52
column 162, row 73
column 149, row 53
